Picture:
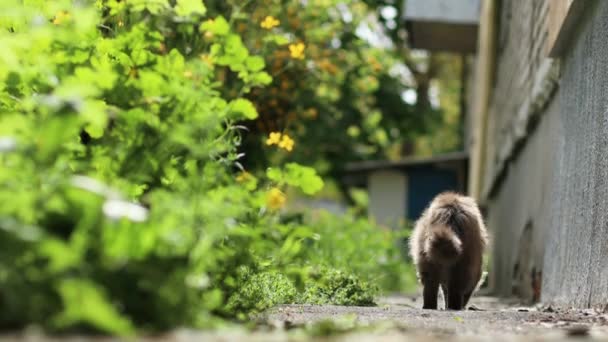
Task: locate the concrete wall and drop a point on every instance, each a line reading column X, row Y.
column 387, row 197
column 518, row 214
column 522, row 119
column 576, row 259
column 520, row 57
column 547, row 179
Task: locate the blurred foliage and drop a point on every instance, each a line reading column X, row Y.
column 446, row 134
column 342, row 98
column 123, row 125
column 434, row 77
column 377, row 250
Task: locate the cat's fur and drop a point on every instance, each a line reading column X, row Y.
column 447, row 247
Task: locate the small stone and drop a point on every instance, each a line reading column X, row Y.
column 277, row 324
column 579, row 330
column 290, row 325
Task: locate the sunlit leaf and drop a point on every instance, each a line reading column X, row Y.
column 255, row 63
column 244, row 107
column 187, row 8
column 218, row 26
column 85, row 302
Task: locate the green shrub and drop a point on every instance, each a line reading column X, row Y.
column 355, row 245
column 262, row 291
column 123, row 207
column 337, row 287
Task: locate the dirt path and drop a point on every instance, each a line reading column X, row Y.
column 398, row 318
column 492, row 319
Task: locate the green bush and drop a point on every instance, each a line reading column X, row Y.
column 353, row 244
column 261, row 291
column 123, row 207
column 337, row 287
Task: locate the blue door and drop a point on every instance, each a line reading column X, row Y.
column 424, row 183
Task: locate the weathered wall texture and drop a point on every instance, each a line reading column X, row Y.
column 548, row 204
column 516, row 182
column 518, row 213
column 576, row 260
column 521, row 51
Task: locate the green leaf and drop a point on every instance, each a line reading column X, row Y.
column 291, row 247
column 218, row 26
column 274, row 174
column 154, row 7
column 213, row 299
column 277, row 39
column 85, row 302
column 236, row 48
column 94, row 113
column 245, row 108
column 60, row 255
column 186, row 8
column 255, row 63
column 304, row 177
column 261, row 78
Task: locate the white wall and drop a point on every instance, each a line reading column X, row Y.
column 387, row 197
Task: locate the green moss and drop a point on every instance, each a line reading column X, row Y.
column 262, row 291
column 338, row 288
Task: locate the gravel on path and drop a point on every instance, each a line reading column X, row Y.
column 488, row 318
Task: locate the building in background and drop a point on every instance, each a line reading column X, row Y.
column 442, row 25
column 400, row 190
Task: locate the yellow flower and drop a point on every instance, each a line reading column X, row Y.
column 286, row 143
column 243, row 177
column 207, row 59
column 274, row 138
column 297, row 50
column 247, row 180
column 275, row 199
column 282, row 140
column 188, row 74
column 269, row 22
column 60, row 17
